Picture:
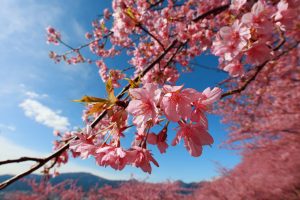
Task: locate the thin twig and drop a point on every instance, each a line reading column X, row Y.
column 155, row 4
column 35, row 167
column 153, row 36
column 214, row 11
column 206, row 67
column 72, row 49
column 22, row 159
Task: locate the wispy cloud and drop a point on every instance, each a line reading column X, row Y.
column 79, row 30
column 26, row 16
column 7, row 127
column 34, row 95
column 44, row 115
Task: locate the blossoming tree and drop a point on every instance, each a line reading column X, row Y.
column 161, row 38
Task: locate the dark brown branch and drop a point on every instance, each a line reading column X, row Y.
column 206, row 67
column 22, row 159
column 48, row 168
column 155, row 4
column 214, row 11
column 36, row 166
column 244, row 86
column 281, row 40
column 153, row 36
column 128, row 68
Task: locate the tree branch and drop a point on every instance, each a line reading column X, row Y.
column 72, row 49
column 148, row 32
column 22, row 159
column 155, row 4
column 119, row 96
column 258, row 69
column 214, row 11
column 206, row 67
column 36, row 166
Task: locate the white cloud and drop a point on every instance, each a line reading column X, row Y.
column 79, row 30
column 44, row 115
column 10, row 150
column 34, row 95
column 7, row 127
column 18, row 16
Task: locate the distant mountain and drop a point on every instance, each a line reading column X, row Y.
column 84, row 180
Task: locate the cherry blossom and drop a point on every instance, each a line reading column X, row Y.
column 144, row 104
column 234, row 68
column 231, row 41
column 195, row 136
column 159, row 140
column 141, row 157
column 53, row 36
column 112, row 156
column 176, row 103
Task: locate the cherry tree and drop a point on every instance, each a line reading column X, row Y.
column 69, row 190
column 45, row 190
column 257, row 43
column 263, row 124
column 269, row 172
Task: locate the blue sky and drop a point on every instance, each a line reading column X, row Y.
column 36, row 93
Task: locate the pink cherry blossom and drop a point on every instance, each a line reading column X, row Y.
column 114, row 157
column 84, row 146
column 143, row 107
column 231, row 40
column 237, row 4
column 203, row 104
column 211, row 95
column 53, row 36
column 102, row 70
column 235, row 68
column 88, row 36
column 106, row 14
column 176, row 103
column 141, row 157
column 258, row 54
column 259, row 20
column 286, row 16
column 195, row 136
column 159, row 140
column 115, row 76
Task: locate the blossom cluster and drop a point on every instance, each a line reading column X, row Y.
column 148, row 105
column 53, row 36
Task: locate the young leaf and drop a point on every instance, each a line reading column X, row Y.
column 90, row 99
column 96, row 108
column 110, row 91
column 132, row 83
column 130, row 14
